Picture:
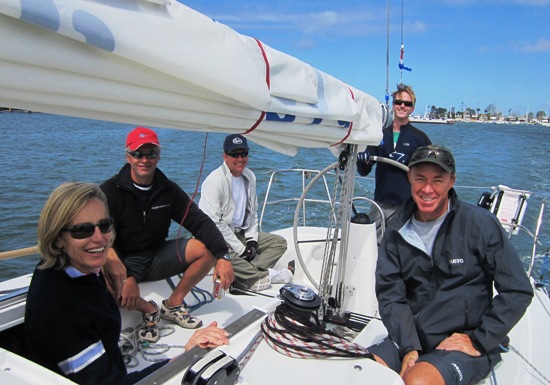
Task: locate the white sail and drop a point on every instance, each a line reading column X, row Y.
column 159, row 63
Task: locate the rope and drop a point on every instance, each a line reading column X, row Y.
column 387, row 96
column 130, row 345
column 306, row 338
column 196, row 292
column 191, row 200
column 206, row 297
column 402, row 52
column 249, row 350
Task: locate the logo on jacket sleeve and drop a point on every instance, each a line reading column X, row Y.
column 456, row 261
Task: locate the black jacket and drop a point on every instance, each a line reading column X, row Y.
column 392, row 186
column 143, row 226
column 424, row 299
column 66, row 316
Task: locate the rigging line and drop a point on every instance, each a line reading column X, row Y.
column 193, row 197
column 387, row 96
column 402, row 52
column 512, row 348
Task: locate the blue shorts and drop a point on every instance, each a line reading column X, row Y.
column 457, row 368
column 158, row 264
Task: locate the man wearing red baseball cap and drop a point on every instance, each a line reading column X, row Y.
column 143, row 202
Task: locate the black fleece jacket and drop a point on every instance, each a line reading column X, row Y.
column 144, row 225
column 392, row 186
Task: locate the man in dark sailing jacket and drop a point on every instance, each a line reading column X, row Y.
column 143, row 202
column 438, row 263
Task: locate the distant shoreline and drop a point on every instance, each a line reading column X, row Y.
column 7, row 109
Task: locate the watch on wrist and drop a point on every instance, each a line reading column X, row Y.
column 227, row 257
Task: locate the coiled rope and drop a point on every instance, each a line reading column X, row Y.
column 306, row 338
column 130, row 345
column 202, row 296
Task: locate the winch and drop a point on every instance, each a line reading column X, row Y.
column 302, row 300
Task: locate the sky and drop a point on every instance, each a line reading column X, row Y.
column 462, row 53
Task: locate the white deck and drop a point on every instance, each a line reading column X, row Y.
column 266, row 366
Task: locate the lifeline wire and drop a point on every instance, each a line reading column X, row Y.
column 528, row 363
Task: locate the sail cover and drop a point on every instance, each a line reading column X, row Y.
column 162, row 64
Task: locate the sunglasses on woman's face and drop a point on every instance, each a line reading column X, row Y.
column 87, row 229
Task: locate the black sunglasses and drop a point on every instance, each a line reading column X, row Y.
column 441, row 154
column 237, row 154
column 86, row 230
column 148, row 155
column 398, row 102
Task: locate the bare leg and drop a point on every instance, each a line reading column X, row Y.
column 423, row 373
column 200, row 261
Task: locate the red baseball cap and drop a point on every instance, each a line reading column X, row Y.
column 140, row 136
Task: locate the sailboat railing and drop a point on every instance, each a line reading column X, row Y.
column 10, row 254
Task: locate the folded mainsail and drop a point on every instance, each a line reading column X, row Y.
column 162, row 64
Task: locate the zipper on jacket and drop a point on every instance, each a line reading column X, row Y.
column 466, row 313
column 144, row 216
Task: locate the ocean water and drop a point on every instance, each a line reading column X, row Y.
column 41, row 151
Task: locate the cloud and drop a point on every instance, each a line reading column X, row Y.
column 541, row 45
column 309, row 24
column 416, row 26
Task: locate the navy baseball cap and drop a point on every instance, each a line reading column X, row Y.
column 235, row 142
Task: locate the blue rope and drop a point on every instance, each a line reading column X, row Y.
column 206, row 297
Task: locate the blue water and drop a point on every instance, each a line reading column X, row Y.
column 41, row 151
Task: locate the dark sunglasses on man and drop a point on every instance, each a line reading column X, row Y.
column 237, row 154
column 140, row 155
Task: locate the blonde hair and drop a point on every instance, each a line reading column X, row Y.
column 64, row 204
column 402, row 88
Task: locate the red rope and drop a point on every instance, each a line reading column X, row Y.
column 192, row 198
column 350, row 124
column 267, row 81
